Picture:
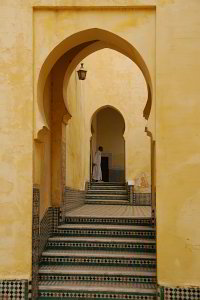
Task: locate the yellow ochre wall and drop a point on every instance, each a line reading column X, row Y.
column 45, row 158
column 112, row 79
column 170, row 48
column 75, row 136
column 178, row 142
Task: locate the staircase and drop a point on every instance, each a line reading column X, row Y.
column 100, row 258
column 107, row 193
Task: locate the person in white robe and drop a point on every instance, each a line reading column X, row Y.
column 97, row 173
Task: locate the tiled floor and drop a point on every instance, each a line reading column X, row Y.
column 107, row 211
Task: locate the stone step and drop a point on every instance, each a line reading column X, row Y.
column 106, row 197
column 112, row 183
column 80, row 257
column 106, row 202
column 106, row 230
column 97, row 239
column 107, row 188
column 108, row 191
column 96, row 270
column 95, row 290
column 98, row 243
column 106, row 226
column 96, row 273
column 107, row 220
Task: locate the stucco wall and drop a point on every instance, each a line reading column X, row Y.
column 75, row 136
column 45, row 153
column 178, row 142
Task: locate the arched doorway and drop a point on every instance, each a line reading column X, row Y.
column 107, row 129
column 65, row 58
column 51, row 105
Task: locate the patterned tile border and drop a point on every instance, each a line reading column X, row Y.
column 72, row 199
column 41, row 231
column 142, row 199
column 93, row 295
column 110, row 220
column 148, row 234
column 150, row 280
column 109, row 261
column 35, row 241
column 109, row 246
column 14, row 289
column 179, row 293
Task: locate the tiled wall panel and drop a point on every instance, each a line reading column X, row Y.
column 14, row 289
column 179, row 293
column 72, row 199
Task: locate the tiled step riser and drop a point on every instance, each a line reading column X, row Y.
column 106, row 233
column 69, row 295
column 97, row 278
column 109, row 221
column 130, row 247
column 94, row 261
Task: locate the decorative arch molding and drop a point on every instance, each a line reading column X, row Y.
column 102, row 38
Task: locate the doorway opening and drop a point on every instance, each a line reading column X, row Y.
column 105, row 168
column 107, row 128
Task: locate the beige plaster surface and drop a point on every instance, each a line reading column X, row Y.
column 178, row 143
column 16, row 128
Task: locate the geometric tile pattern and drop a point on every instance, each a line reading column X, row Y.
column 35, row 241
column 41, row 231
column 108, row 261
column 99, row 278
column 45, row 230
column 55, row 218
column 130, row 194
column 127, row 246
column 142, row 199
column 181, row 293
column 94, row 232
column 72, row 199
column 92, row 296
column 13, row 289
column 121, row 221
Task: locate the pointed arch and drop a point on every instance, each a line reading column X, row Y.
column 81, row 40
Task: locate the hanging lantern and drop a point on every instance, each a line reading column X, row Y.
column 82, row 73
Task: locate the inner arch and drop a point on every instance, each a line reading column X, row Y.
column 81, row 38
column 107, row 128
